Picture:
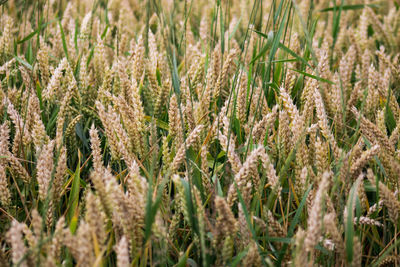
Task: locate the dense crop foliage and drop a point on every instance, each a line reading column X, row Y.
column 199, row 133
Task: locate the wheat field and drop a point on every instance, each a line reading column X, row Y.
column 199, row 133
